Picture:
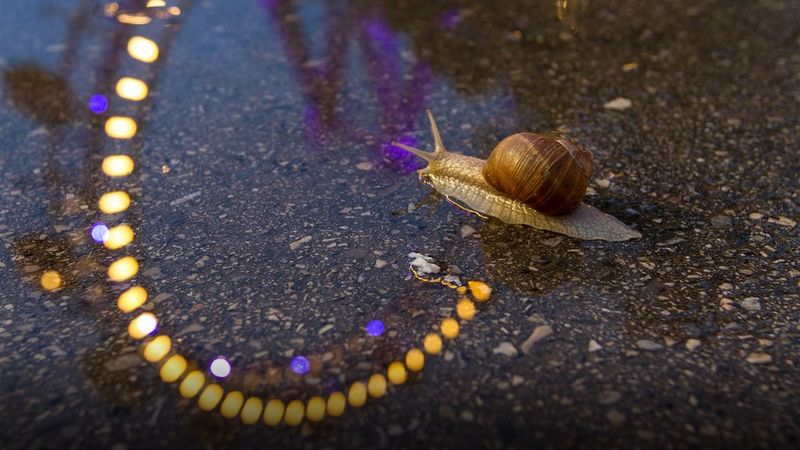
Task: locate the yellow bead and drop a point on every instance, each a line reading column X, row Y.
column 132, row 299
column 131, row 88
column 114, row 202
column 449, row 328
column 480, row 290
column 173, row 368
column 142, row 325
column 192, row 384
column 376, row 385
column 465, row 309
column 157, row 349
column 142, row 49
column 461, row 290
column 294, row 413
column 118, row 237
column 231, row 405
column 357, row 394
column 315, row 410
column 210, row 397
column 432, row 344
column 273, row 413
column 397, row 373
column 252, row 410
column 118, row 127
column 415, row 359
column 123, row 269
column 336, row 404
column 117, row 165
column 51, row 280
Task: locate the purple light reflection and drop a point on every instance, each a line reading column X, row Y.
column 375, row 328
column 99, row 232
column 98, row 103
column 450, row 18
column 402, row 160
column 300, row 365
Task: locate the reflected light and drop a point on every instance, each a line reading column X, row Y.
column 114, row 202
column 117, row 165
column 99, row 232
column 415, row 360
column 173, row 368
column 131, row 88
column 251, row 410
column 142, row 326
column 375, row 328
column 119, row 127
column 449, row 328
column 465, row 309
column 132, row 299
column 118, row 237
column 157, row 349
column 336, row 404
column 98, row 103
column 315, row 410
column 231, row 405
column 174, row 10
column 357, row 394
column 51, row 280
column 133, row 19
column 295, row 411
column 191, row 385
column 273, row 412
column 432, row 344
column 376, row 386
column 210, row 397
column 397, row 373
column 143, row 49
column 300, row 365
column 220, row 368
column 123, row 269
column 156, row 3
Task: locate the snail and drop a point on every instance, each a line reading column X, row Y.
column 529, row 179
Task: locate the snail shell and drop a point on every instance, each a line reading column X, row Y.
column 549, row 175
column 463, row 180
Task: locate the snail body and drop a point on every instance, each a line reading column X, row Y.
column 529, row 174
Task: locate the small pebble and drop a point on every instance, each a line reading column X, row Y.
column 756, row 216
column 692, row 344
column 618, row 104
column 759, row 358
column 783, row 221
column 751, row 304
column 646, row 344
column 467, row 231
column 615, row 417
column 296, row 244
column 539, row 333
column 505, row 348
column 594, row 346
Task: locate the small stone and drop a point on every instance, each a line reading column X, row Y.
column 726, row 287
column 615, row 417
column 594, row 346
column 720, row 221
column 379, row 264
column 646, row 344
column 516, row 380
column 505, row 348
column 364, row 166
column 765, row 342
column 759, row 358
column 692, row 344
column 467, row 231
column 552, row 242
column 468, row 416
column 603, row 182
column 756, row 216
column 618, row 104
column 539, row 333
column 296, row 244
column 783, row 221
column 751, row 304
column 608, row 397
